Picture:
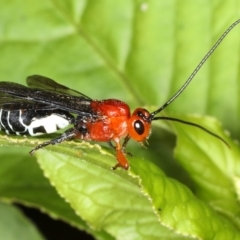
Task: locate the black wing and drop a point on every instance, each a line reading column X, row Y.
column 26, row 105
column 47, row 84
column 13, row 93
column 9, row 102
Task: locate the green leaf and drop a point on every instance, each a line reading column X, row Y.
column 23, row 182
column 140, row 52
column 213, row 167
column 112, row 202
column 178, row 208
column 12, row 219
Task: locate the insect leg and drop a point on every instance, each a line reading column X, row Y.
column 69, row 134
column 121, row 157
column 123, row 147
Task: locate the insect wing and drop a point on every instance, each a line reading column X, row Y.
column 26, row 105
column 13, row 102
column 47, row 84
column 11, row 93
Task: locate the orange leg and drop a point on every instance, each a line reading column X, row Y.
column 121, row 157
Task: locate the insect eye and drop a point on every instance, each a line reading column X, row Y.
column 139, row 127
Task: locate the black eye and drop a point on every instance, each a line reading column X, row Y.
column 139, row 127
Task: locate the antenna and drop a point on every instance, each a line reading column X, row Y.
column 195, row 71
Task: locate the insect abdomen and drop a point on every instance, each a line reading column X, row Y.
column 33, row 122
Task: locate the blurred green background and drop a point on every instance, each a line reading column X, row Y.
column 140, row 52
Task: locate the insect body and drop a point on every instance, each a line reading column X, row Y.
column 31, row 120
column 46, row 106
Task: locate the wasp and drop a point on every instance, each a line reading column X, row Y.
column 46, row 106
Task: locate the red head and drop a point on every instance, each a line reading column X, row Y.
column 139, row 125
